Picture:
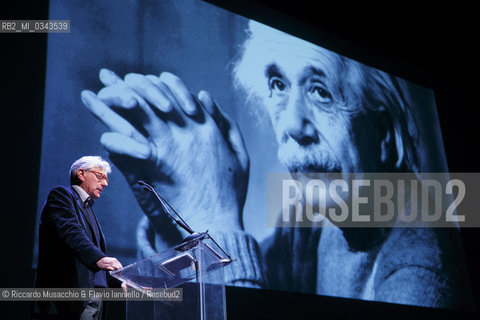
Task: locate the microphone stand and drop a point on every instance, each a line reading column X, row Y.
column 192, row 234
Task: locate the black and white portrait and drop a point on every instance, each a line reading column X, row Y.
column 203, row 104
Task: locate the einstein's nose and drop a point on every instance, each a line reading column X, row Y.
column 299, row 125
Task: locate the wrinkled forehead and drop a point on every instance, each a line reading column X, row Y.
column 292, row 53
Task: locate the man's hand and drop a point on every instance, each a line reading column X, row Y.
column 109, row 264
column 184, row 145
column 125, row 287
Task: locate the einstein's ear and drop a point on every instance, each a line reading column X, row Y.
column 385, row 147
column 388, row 145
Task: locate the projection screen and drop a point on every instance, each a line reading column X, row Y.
column 204, row 104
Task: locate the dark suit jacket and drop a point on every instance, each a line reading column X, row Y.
column 67, row 254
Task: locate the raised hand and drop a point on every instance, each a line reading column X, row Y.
column 184, row 145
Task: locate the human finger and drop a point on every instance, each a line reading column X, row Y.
column 108, row 77
column 155, row 79
column 165, row 90
column 124, row 95
column 149, row 91
column 238, row 145
column 227, row 126
column 182, row 95
column 116, row 264
column 118, row 95
column 111, row 119
column 212, row 109
column 120, row 144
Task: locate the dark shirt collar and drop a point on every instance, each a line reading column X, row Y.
column 88, row 202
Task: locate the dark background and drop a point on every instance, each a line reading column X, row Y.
column 430, row 43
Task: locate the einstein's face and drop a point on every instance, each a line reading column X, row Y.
column 313, row 100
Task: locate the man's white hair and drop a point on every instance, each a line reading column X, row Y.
column 87, row 163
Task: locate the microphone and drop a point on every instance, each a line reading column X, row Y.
column 165, row 206
column 184, row 225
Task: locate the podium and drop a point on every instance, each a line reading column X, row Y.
column 194, row 267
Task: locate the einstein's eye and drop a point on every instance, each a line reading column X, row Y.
column 276, row 84
column 320, row 94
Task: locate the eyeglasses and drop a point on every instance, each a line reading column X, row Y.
column 100, row 176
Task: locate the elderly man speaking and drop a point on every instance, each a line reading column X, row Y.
column 72, row 249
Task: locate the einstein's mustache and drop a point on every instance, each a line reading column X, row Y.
column 313, row 158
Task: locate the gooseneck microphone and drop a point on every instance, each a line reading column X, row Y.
column 184, row 225
column 165, row 206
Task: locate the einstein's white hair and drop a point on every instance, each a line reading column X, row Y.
column 373, row 89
